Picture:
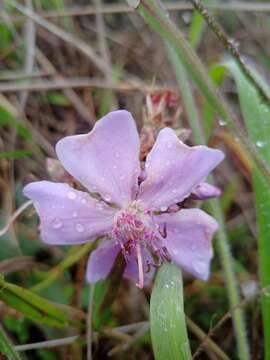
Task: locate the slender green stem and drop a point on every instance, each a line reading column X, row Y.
column 231, row 47
column 222, row 240
column 70, row 260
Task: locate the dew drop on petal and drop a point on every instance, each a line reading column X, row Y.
column 79, row 227
column 193, row 247
column 74, row 214
column 199, row 266
column 100, row 206
column 117, row 155
column 57, row 223
column 107, row 197
column 71, row 195
column 163, row 208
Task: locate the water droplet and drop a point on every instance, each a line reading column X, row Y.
column 163, row 208
column 199, row 266
column 260, row 144
column 185, row 349
column 71, row 195
column 100, row 206
column 57, row 223
column 114, row 166
column 74, row 214
column 193, row 247
column 222, row 122
column 117, row 155
column 107, row 197
column 79, row 227
column 84, row 201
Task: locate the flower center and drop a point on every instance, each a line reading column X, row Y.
column 135, row 229
column 133, row 226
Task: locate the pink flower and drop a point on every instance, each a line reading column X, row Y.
column 133, row 213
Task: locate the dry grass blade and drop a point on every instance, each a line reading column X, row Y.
column 83, row 47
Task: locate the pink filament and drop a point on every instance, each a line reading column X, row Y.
column 140, row 267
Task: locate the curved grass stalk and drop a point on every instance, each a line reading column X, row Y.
column 222, row 239
column 158, row 19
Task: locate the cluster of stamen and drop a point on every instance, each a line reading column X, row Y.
column 134, row 229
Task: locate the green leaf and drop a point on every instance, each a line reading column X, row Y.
column 6, row 347
column 33, row 306
column 167, row 317
column 7, row 119
column 56, row 98
column 15, row 154
column 257, row 119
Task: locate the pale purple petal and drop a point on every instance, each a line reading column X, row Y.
column 188, row 241
column 131, row 270
column 68, row 216
column 173, row 169
column 205, row 191
column 101, row 261
column 106, row 160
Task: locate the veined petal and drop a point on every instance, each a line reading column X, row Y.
column 68, row 216
column 101, row 261
column 106, row 160
column 188, row 241
column 174, row 169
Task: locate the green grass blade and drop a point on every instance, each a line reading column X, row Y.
column 7, row 119
column 257, row 119
column 167, row 317
column 6, row 347
column 215, row 209
column 33, row 306
column 75, row 254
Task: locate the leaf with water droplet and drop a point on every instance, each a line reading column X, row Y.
column 167, row 317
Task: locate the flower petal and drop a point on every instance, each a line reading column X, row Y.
column 173, row 169
column 106, row 160
column 131, row 271
column 205, row 191
column 68, row 216
column 188, row 241
column 101, row 261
